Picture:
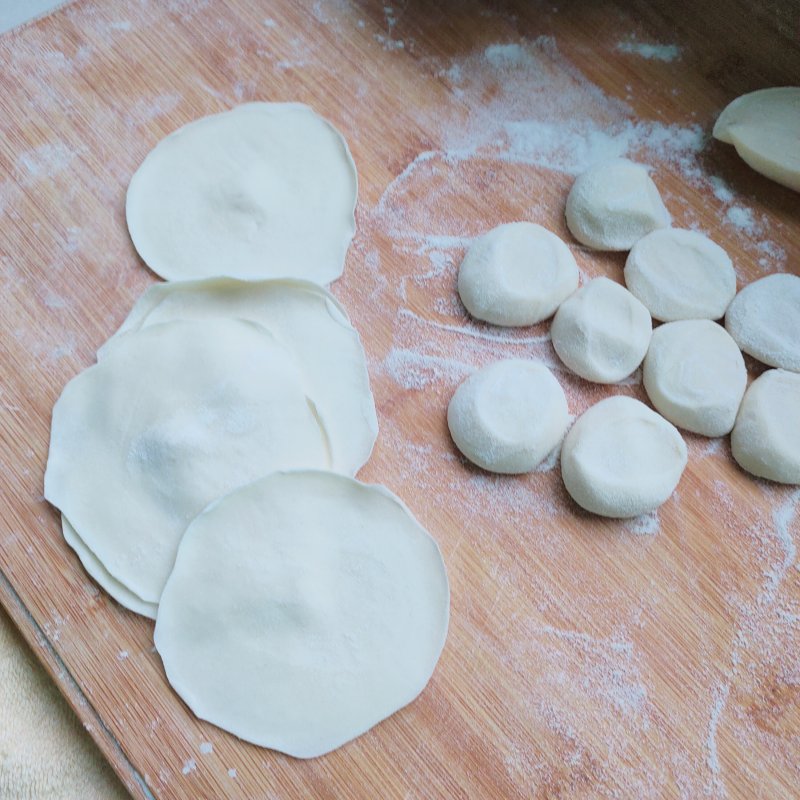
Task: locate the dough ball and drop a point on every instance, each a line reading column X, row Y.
column 695, row 376
column 766, row 438
column 302, row 610
column 508, row 416
column 602, row 331
column 516, row 274
column 680, row 274
column 764, row 320
column 265, row 190
column 763, row 127
column 613, row 204
column 621, row 459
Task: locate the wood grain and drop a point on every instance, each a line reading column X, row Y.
column 583, row 660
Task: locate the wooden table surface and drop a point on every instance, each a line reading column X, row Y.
column 586, row 658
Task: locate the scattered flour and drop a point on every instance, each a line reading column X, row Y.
column 190, row 765
column 206, row 748
column 655, row 52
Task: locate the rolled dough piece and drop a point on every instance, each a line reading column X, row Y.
column 602, row 331
column 680, row 274
column 620, row 459
column 91, row 563
column 302, row 610
column 764, row 127
column 508, row 416
column 175, row 416
column 265, row 190
column 309, row 322
column 516, row 274
column 695, row 376
column 764, row 320
column 766, row 438
column 613, row 204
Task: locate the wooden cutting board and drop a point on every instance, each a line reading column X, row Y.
column 586, row 657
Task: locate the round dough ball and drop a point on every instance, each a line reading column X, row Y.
column 764, row 320
column 508, row 416
column 267, row 190
column 694, row 375
column 613, row 204
column 680, row 274
column 602, row 331
column 621, row 459
column 763, row 127
column 302, row 610
column 766, row 438
column 516, row 274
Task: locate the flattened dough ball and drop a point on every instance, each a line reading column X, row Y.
column 621, row 459
column 766, row 438
column 613, row 204
column 516, row 274
column 508, row 416
column 764, row 320
column 602, row 331
column 680, row 274
column 303, row 609
column 695, row 376
column 263, row 191
column 764, row 127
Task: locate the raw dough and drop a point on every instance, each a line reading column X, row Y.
column 516, row 274
column 91, row 563
column 620, row 459
column 764, row 127
column 602, row 331
column 508, row 416
column 613, row 204
column 173, row 417
column 680, row 274
column 303, row 609
column 764, row 320
column 766, row 438
column 265, row 190
column 695, row 376
column 309, row 322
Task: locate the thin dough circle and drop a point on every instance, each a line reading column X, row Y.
column 516, row 274
column 621, row 459
column 764, row 320
column 766, row 438
column 602, row 331
column 173, row 417
column 265, row 190
column 680, row 274
column 302, row 610
column 695, row 376
column 309, row 322
column 508, row 416
column 613, row 204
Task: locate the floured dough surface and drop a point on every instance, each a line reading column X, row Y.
column 265, row 190
column 766, row 438
column 613, row 204
column 309, row 322
column 602, row 331
column 516, row 274
column 303, row 609
column 764, row 320
column 680, row 274
column 695, row 376
column 508, row 416
column 621, row 459
column 764, row 127
column 173, row 417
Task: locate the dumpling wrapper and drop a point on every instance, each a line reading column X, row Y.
column 174, row 417
column 262, row 191
column 302, row 610
column 309, row 322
